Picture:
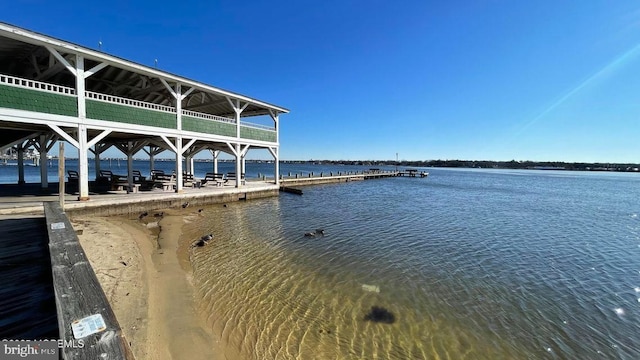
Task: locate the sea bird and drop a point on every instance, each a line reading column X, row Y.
column 320, row 231
column 310, row 234
column 184, row 206
column 158, row 215
column 202, row 241
column 143, row 215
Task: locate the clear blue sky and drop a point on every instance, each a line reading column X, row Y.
column 496, row 80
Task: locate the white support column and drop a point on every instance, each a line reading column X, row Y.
column 275, row 151
column 277, row 165
column 238, row 109
column 243, row 156
column 190, row 168
column 21, row 164
column 179, row 164
column 179, row 98
column 276, row 161
column 177, row 94
column 215, row 154
column 238, row 154
column 83, row 161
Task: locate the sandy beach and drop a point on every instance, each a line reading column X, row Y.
column 144, row 270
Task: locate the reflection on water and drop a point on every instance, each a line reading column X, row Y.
column 471, row 265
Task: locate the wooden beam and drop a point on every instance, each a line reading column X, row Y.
column 79, row 295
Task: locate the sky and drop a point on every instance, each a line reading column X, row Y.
column 540, row 80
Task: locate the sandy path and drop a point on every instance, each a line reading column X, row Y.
column 149, row 290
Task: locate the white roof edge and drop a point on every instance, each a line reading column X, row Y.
column 21, row 34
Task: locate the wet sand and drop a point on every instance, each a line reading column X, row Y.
column 144, row 270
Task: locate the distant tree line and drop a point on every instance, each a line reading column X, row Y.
column 485, row 164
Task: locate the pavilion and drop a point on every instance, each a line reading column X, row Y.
column 53, row 90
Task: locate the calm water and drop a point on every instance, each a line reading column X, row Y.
column 9, row 171
column 473, row 265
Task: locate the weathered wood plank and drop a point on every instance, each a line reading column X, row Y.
column 78, row 293
column 27, row 302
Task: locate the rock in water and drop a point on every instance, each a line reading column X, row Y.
column 380, row 315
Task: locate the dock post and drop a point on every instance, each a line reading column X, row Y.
column 61, row 174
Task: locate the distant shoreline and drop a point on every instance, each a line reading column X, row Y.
column 469, row 164
column 485, row 164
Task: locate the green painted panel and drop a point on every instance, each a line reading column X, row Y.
column 39, row 101
column 128, row 114
column 208, row 126
column 257, row 134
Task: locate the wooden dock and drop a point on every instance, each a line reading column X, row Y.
column 47, row 284
column 333, row 177
column 413, row 173
column 27, row 301
column 338, row 177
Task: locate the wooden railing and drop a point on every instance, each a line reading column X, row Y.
column 37, row 85
column 79, row 295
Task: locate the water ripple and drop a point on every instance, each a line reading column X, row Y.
column 472, row 265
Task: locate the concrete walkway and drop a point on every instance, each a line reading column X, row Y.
column 28, row 198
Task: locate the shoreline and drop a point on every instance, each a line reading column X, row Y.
column 144, row 270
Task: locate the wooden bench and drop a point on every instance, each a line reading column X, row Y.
column 137, row 177
column 213, row 178
column 73, row 177
column 188, row 180
column 134, row 188
column 116, row 182
column 232, row 178
column 164, row 181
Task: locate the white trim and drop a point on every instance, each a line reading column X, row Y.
column 128, row 102
column 257, row 126
column 171, row 145
column 24, row 116
column 233, row 149
column 62, row 60
column 66, row 136
column 183, row 96
column 36, row 85
column 30, row 117
column 20, row 141
column 173, row 93
column 97, row 68
column 208, row 116
column 244, row 151
column 98, row 137
column 30, row 37
column 186, row 147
